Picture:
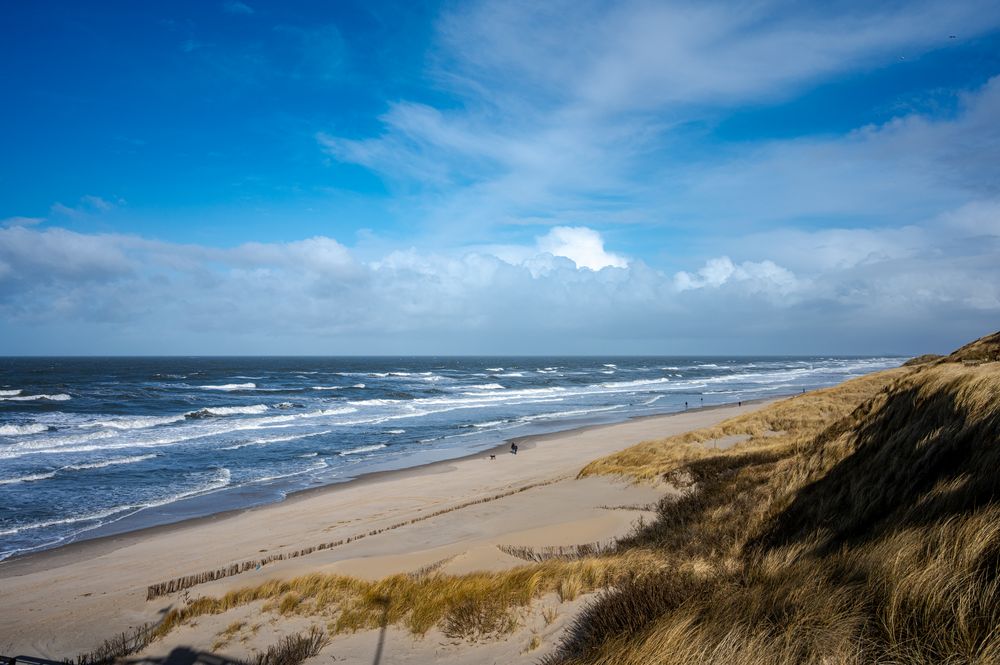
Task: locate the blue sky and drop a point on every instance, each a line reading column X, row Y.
column 498, row 177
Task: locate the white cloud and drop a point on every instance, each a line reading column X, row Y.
column 237, row 7
column 88, row 206
column 317, row 296
column 758, row 277
column 21, row 221
column 583, row 246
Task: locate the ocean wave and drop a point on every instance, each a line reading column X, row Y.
column 231, row 387
column 220, row 479
column 61, row 397
column 487, row 424
column 487, row 386
column 510, row 374
column 634, row 384
column 65, row 520
column 22, row 430
column 227, row 411
column 494, row 369
column 328, row 387
column 395, row 431
column 315, row 467
column 275, row 439
column 134, row 422
column 571, row 413
column 27, row 479
column 111, row 462
column 611, row 365
column 10, row 393
column 363, row 449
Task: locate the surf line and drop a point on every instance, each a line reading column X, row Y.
column 168, row 587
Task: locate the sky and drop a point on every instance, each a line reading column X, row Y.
column 339, row 178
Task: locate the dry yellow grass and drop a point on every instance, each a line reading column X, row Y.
column 868, row 535
column 464, row 605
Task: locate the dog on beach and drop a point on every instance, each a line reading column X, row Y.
column 493, row 456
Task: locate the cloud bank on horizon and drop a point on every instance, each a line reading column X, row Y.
column 591, row 177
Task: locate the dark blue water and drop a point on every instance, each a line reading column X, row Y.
column 90, row 446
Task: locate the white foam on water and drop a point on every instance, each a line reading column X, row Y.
column 276, row 439
column 511, row 374
column 634, row 384
column 134, row 422
column 486, row 386
column 22, row 430
column 111, row 462
column 61, row 397
column 10, row 393
column 395, row 431
column 220, row 480
column 328, row 387
column 65, row 520
column 611, row 365
column 315, row 467
column 231, row 386
column 229, row 411
column 363, row 449
column 27, row 479
column 571, row 413
column 491, row 423
column 494, row 369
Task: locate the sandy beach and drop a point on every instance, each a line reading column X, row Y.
column 452, row 514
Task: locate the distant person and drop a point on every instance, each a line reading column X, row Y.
column 513, row 449
column 685, row 406
column 740, row 403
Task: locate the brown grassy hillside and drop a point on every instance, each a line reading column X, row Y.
column 874, row 538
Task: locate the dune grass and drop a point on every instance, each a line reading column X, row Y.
column 872, row 539
column 466, row 606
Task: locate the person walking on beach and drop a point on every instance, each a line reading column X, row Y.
column 513, row 449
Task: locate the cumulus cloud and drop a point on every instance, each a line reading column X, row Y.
column 582, row 246
column 757, row 276
column 565, row 292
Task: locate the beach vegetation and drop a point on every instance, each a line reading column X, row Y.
column 293, row 649
column 872, row 538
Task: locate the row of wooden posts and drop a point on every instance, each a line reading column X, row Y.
column 186, row 582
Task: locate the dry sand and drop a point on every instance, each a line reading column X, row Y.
column 60, row 603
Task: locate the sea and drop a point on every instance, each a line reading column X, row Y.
column 100, row 446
